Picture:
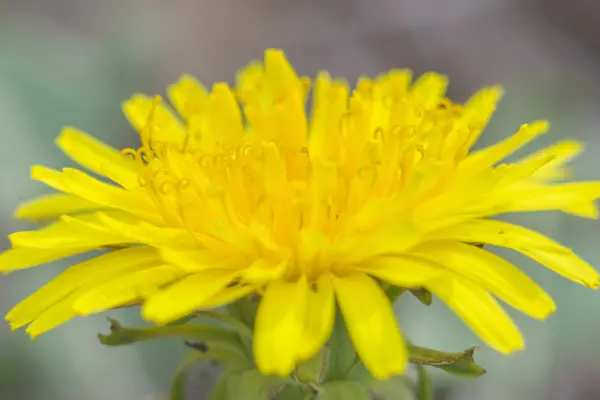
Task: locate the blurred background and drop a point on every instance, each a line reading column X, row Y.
column 71, row 62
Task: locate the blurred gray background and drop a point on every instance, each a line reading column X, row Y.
column 71, row 62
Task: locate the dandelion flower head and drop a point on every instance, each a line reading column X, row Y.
column 239, row 191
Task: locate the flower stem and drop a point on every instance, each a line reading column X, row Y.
column 424, row 388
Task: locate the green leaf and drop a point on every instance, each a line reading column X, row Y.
column 343, row 390
column 252, row 385
column 464, row 368
column 461, row 364
column 342, row 356
column 394, row 388
column 120, row 335
column 423, row 295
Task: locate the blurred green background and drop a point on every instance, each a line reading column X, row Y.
column 71, row 62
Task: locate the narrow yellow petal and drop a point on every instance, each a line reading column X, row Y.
column 141, row 232
column 125, row 288
column 278, row 68
column 491, row 272
column 560, row 153
column 588, row 210
column 480, row 312
column 198, row 260
column 161, row 123
column 330, row 103
column 98, row 157
column 224, row 119
column 401, row 271
column 22, row 257
column 372, row 325
column 555, row 197
column 542, row 249
column 52, row 206
column 80, row 184
column 429, row 88
column 67, row 233
column 320, row 316
column 188, row 96
column 478, row 110
column 491, row 155
column 279, row 326
column 395, row 238
column 101, row 268
column 228, row 295
column 56, row 315
column 186, row 296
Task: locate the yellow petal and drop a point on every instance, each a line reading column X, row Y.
column 372, row 325
column 186, row 296
column 320, row 316
column 478, row 110
column 429, row 88
column 52, row 206
column 98, row 157
column 125, row 289
column 395, row 238
column 583, row 210
column 155, row 118
column 139, row 231
column 101, row 268
column 80, row 184
column 67, row 233
column 491, row 155
column 480, row 312
column 401, row 271
column 228, row 295
column 56, row 315
column 279, row 326
column 542, row 249
column 198, row 260
column 560, row 154
column 188, row 96
column 330, row 102
column 555, row 197
column 22, row 257
column 491, row 272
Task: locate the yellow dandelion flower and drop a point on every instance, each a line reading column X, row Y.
column 243, row 192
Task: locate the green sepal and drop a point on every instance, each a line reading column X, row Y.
column 252, row 385
column 342, row 355
column 394, row 388
column 392, row 292
column 423, row 295
column 244, row 310
column 313, row 370
column 461, row 364
column 343, row 390
column 295, row 392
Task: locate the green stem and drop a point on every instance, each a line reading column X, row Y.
column 425, row 390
